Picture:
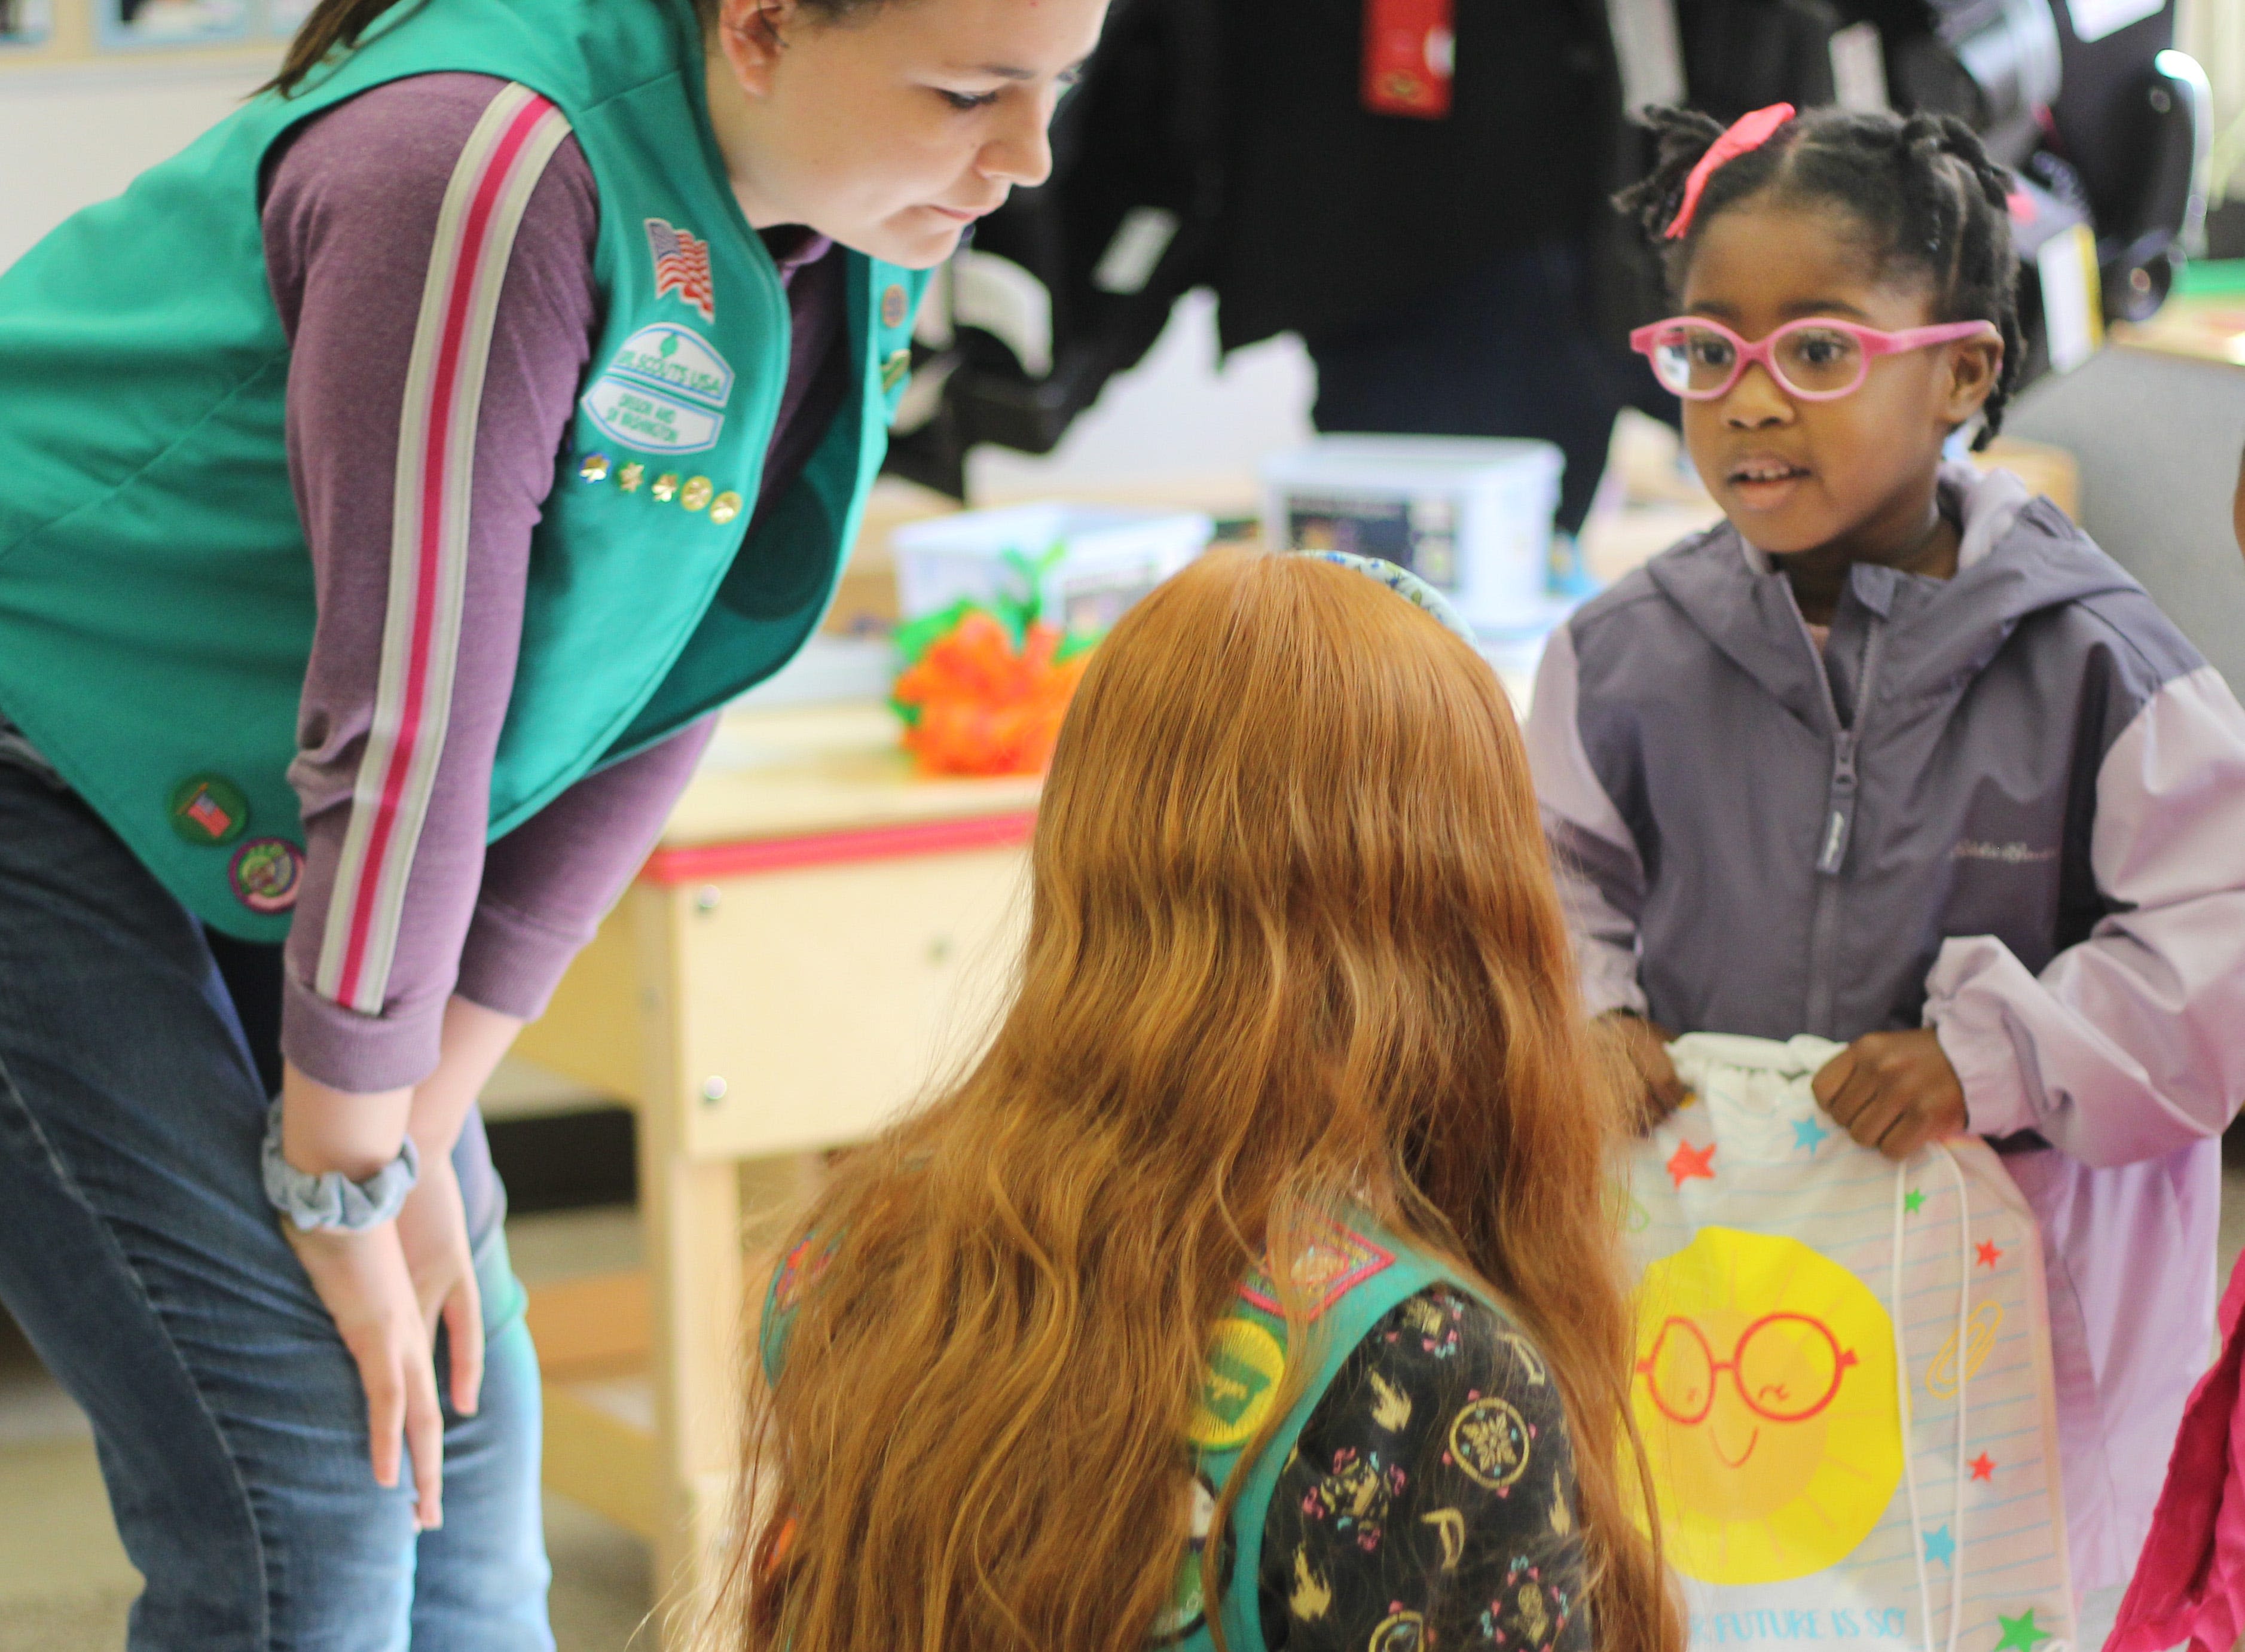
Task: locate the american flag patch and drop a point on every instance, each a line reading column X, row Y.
column 207, row 812
column 682, row 266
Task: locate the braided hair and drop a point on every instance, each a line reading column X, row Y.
column 1928, row 200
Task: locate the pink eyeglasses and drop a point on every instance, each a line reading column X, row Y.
column 1817, row 359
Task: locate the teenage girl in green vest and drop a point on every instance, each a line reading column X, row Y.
column 390, row 488
column 1297, row 985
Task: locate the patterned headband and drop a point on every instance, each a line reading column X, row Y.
column 1405, row 584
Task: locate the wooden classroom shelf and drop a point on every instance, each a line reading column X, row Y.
column 819, row 936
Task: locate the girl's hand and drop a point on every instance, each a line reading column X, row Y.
column 1893, row 1090
column 433, row 1227
column 388, row 1288
column 364, row 1281
column 432, row 1230
column 1646, row 1044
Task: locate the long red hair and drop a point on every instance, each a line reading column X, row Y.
column 1294, row 949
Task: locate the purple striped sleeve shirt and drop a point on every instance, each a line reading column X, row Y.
column 352, row 219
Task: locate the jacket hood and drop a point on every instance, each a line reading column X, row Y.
column 2020, row 555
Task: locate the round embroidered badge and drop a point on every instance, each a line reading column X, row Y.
column 266, row 874
column 1489, row 1440
column 208, row 809
column 1244, row 1369
column 892, row 306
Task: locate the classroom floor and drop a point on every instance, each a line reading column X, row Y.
column 64, row 1583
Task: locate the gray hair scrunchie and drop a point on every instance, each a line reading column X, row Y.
column 330, row 1203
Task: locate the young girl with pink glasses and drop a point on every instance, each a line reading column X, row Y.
column 1896, row 756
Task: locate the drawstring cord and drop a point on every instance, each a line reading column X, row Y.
column 1963, row 1385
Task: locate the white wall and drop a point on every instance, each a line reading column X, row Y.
column 1179, row 423
column 76, row 134
column 2214, row 31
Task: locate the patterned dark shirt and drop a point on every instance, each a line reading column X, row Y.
column 1430, row 1501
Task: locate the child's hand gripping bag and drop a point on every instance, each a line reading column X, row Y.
column 1843, row 1378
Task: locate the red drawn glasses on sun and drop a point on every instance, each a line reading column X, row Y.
column 1788, row 1368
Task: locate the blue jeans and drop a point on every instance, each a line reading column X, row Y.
column 137, row 1253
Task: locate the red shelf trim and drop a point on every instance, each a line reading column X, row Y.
column 701, row 862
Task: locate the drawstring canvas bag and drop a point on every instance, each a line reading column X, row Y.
column 1842, row 1375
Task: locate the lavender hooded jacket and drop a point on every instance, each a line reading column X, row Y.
column 2010, row 806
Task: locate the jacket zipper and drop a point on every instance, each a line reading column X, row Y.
column 1839, row 801
column 1839, row 805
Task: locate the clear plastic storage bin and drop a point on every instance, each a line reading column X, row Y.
column 1088, row 564
column 1472, row 516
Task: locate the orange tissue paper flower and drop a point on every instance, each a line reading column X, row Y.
column 977, row 705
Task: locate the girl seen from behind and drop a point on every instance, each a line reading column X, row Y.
column 1296, row 984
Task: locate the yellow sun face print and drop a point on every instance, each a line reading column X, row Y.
column 1764, row 1391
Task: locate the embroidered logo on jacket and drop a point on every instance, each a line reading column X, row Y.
column 664, row 392
column 2011, row 855
column 682, row 266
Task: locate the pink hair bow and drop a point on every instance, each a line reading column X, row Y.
column 1747, row 134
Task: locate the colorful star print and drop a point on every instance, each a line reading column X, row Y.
column 1939, row 1546
column 2021, row 1633
column 1688, row 1161
column 1913, row 1201
column 1807, row 1133
column 1983, row 1468
column 1988, row 1255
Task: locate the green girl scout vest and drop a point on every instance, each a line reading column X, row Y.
column 1351, row 1278
column 156, row 600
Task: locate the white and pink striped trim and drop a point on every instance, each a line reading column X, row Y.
column 491, row 186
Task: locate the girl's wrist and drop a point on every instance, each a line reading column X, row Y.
column 475, row 1040
column 325, row 1130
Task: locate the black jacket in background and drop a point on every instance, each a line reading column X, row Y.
column 1331, row 214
